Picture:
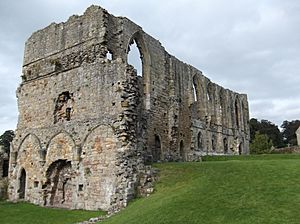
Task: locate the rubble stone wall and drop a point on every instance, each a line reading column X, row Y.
column 88, row 124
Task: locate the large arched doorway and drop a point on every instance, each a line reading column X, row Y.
column 157, row 149
column 22, row 184
column 213, row 143
column 59, row 187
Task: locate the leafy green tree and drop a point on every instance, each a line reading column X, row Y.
column 289, row 129
column 5, row 140
column 261, row 144
column 268, row 128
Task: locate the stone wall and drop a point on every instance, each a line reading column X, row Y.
column 88, row 123
column 298, row 136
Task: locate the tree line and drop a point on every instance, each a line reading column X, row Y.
column 264, row 135
column 5, row 140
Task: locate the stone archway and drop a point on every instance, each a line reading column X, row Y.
column 22, row 184
column 58, row 188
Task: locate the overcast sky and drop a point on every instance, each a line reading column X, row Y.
column 249, row 46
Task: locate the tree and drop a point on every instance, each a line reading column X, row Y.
column 261, row 144
column 5, row 140
column 289, row 129
column 268, row 128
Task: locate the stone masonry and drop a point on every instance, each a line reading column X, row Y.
column 88, row 124
column 298, row 136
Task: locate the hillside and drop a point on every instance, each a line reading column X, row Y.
column 238, row 190
column 250, row 189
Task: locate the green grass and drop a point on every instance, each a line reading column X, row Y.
column 25, row 213
column 228, row 189
column 246, row 189
column 252, row 157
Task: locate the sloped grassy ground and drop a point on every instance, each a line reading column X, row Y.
column 241, row 190
column 25, row 213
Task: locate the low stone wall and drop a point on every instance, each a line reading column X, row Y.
column 292, row 149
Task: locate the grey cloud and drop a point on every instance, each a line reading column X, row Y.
column 250, row 46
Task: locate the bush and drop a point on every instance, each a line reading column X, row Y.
column 261, row 144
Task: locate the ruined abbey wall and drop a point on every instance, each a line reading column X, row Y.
column 88, row 123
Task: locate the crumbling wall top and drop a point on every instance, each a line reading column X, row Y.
column 91, row 26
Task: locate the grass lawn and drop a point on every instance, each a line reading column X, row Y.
column 238, row 189
column 246, row 189
column 24, row 213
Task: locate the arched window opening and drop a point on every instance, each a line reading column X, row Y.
column 240, row 149
column 221, row 104
column 109, row 55
column 199, row 141
column 157, row 149
column 236, row 106
column 225, row 144
column 223, row 108
column 195, row 88
column 181, row 150
column 135, row 57
column 213, row 143
column 195, row 93
column 209, row 92
column 208, row 97
column 245, row 116
column 22, row 184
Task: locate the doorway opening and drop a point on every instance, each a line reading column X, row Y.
column 22, row 182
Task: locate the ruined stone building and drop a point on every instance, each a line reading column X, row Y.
column 88, row 123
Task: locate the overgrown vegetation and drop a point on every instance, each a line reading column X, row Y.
column 267, row 128
column 24, row 213
column 264, row 133
column 261, row 144
column 5, row 140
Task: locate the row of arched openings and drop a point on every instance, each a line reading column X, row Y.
column 196, row 86
column 156, row 153
column 213, row 143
